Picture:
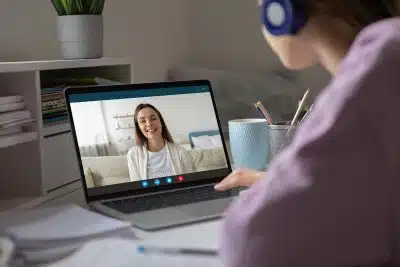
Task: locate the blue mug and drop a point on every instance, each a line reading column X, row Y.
column 249, row 142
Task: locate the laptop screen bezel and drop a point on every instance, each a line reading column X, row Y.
column 140, row 86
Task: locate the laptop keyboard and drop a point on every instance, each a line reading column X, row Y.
column 170, row 199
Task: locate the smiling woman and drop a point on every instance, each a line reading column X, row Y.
column 150, row 127
column 156, row 154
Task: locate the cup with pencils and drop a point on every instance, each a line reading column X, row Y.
column 281, row 133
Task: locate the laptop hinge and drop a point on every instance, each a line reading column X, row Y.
column 155, row 193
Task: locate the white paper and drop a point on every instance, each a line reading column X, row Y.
column 60, row 224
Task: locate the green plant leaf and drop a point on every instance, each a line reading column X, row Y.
column 58, row 7
column 75, row 7
column 96, row 7
column 65, row 6
column 72, row 8
column 86, row 5
column 101, row 7
column 79, row 6
column 93, row 5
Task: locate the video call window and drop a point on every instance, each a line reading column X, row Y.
column 117, row 135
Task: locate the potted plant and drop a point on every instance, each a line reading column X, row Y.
column 80, row 28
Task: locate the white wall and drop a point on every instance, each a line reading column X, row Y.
column 182, row 114
column 96, row 123
column 151, row 34
column 227, row 34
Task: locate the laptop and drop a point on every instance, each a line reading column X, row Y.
column 128, row 173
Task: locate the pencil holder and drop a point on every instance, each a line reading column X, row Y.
column 280, row 135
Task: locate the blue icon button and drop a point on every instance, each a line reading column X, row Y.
column 169, row 180
column 157, row 182
column 145, row 183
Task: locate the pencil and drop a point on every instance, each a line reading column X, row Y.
column 300, row 107
column 305, row 115
column 264, row 111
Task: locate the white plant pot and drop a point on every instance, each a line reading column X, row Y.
column 81, row 36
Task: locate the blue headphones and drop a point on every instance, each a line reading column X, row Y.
column 282, row 17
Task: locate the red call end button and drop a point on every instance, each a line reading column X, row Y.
column 180, row 178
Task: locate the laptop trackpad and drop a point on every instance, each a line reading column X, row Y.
column 207, row 208
column 157, row 219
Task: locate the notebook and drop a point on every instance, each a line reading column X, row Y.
column 42, row 235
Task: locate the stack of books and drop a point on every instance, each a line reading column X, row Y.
column 13, row 115
column 54, row 109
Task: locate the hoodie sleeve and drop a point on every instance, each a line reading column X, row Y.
column 321, row 203
column 331, row 197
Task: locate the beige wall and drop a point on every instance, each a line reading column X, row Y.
column 152, row 33
column 226, row 34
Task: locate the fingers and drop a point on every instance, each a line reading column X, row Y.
column 239, row 178
column 231, row 181
column 226, row 184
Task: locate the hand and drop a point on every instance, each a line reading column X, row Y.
column 241, row 177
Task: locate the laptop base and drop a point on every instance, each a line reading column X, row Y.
column 173, row 216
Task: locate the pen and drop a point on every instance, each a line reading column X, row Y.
column 187, row 251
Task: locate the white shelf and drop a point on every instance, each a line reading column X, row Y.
column 8, row 204
column 45, row 159
column 124, row 116
column 21, row 66
column 15, row 139
column 21, row 204
column 56, row 128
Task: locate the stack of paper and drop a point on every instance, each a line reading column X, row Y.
column 44, row 235
column 13, row 115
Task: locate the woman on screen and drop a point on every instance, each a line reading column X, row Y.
column 155, row 154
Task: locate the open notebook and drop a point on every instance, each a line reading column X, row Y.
column 42, row 235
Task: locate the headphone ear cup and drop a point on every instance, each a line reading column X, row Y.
column 282, row 17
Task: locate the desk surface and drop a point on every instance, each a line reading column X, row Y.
column 198, row 235
column 201, row 235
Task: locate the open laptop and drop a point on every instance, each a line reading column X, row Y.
column 103, row 126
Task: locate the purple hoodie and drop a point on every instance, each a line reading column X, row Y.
column 332, row 197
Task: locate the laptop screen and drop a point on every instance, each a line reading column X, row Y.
column 147, row 138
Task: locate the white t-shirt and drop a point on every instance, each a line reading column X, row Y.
column 159, row 164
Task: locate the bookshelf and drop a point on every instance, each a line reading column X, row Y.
column 18, row 138
column 42, row 158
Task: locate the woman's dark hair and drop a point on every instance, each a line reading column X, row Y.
column 140, row 138
column 357, row 13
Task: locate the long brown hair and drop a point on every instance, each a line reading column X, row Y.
column 356, row 13
column 140, row 138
